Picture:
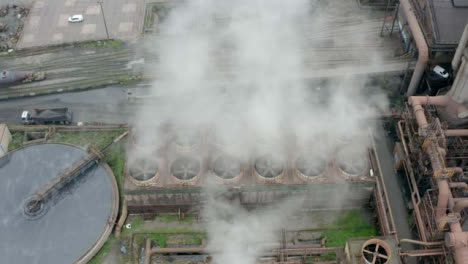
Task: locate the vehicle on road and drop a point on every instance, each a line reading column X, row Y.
column 75, row 19
column 47, row 116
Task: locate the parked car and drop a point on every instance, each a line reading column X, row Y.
column 441, row 72
column 75, row 19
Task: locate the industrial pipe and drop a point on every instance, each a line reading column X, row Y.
column 460, row 48
column 123, row 217
column 460, row 204
column 444, row 100
column 456, row 132
column 147, row 251
column 442, row 201
column 177, row 250
column 418, row 101
column 423, row 50
column 422, row 252
column 458, row 240
column 461, row 185
column 422, row 243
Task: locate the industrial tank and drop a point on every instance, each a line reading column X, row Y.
column 69, row 227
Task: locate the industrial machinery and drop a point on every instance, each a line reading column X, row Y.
column 433, row 159
column 7, row 77
column 170, row 177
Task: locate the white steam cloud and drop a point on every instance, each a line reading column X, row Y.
column 237, row 66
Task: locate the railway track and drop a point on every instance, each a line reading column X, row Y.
column 339, row 40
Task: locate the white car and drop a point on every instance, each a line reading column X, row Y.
column 441, row 72
column 75, row 19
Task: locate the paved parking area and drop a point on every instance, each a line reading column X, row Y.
column 48, row 24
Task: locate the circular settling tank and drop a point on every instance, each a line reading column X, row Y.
column 352, row 160
column 185, row 168
column 269, row 166
column 226, row 167
column 311, row 165
column 72, row 225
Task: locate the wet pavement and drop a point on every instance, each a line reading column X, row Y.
column 101, row 105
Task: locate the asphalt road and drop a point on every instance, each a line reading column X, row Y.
column 394, row 189
column 101, row 105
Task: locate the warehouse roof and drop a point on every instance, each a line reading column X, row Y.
column 449, row 18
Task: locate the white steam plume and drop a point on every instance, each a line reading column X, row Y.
column 237, row 66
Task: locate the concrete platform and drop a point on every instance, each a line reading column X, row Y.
column 47, row 23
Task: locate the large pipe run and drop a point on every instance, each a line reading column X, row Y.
column 456, row 238
column 461, row 185
column 443, row 200
column 461, row 47
column 418, row 101
column 421, row 44
column 123, row 217
column 460, row 204
column 456, row 132
column 422, row 243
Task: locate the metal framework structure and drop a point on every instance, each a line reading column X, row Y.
column 423, row 177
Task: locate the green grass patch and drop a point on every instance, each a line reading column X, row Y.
column 161, row 10
column 351, row 224
column 162, row 239
column 101, row 43
column 115, row 157
column 175, row 218
column 98, row 258
column 16, row 141
column 128, row 79
column 84, row 139
column 198, row 238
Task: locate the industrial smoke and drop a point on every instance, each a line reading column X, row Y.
column 239, row 67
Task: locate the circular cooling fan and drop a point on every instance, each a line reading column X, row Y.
column 311, row 164
column 375, row 252
column 352, row 163
column 269, row 166
column 188, row 139
column 143, row 169
column 185, row 168
column 226, row 167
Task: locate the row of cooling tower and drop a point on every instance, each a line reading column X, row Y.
column 187, row 161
